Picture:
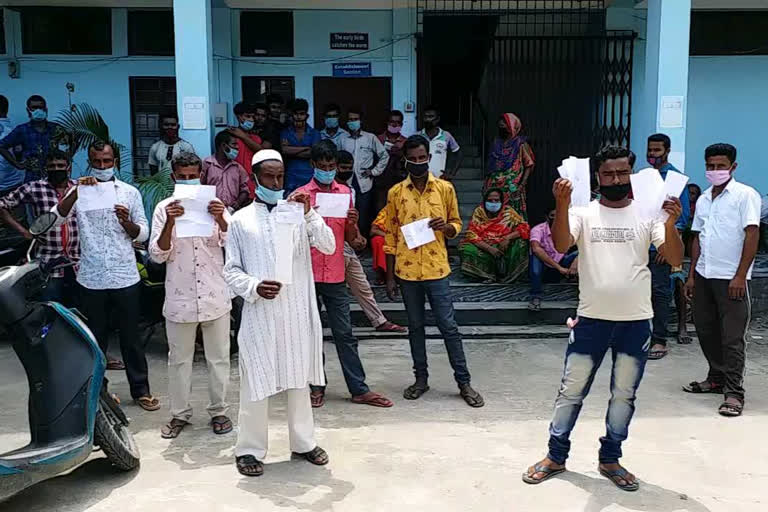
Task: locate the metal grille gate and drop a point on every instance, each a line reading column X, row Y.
column 553, row 64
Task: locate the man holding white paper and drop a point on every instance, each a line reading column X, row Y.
column 614, row 308
column 659, row 146
column 108, row 273
column 195, row 295
column 330, row 272
column 281, row 337
column 418, row 262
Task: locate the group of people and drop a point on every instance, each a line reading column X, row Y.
column 624, row 265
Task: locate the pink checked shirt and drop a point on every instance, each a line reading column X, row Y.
column 543, row 234
column 195, row 290
column 329, row 269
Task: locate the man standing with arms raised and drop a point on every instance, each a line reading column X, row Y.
column 614, row 308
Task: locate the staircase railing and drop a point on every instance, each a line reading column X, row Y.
column 478, row 126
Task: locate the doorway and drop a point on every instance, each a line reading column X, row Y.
column 257, row 88
column 150, row 97
column 373, row 95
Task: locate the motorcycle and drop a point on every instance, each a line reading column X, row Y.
column 70, row 408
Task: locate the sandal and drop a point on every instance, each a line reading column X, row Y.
column 248, row 465
column 472, row 397
column 318, row 456
column 373, row 399
column 221, row 425
column 698, row 388
column 655, row 355
column 730, row 410
column 617, row 475
column 317, row 398
column 535, row 304
column 541, row 468
column 115, row 364
column 684, row 339
column 415, row 390
column 148, row 403
column 391, row 327
column 173, row 428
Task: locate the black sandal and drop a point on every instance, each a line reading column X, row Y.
column 655, row 355
column 696, row 388
column 223, row 423
column 173, row 428
column 684, row 339
column 730, row 410
column 415, row 390
column 472, row 397
column 248, row 465
column 318, row 456
column 620, row 474
column 541, row 468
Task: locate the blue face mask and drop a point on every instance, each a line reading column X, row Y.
column 492, row 206
column 39, row 114
column 231, row 153
column 247, row 125
column 195, row 181
column 325, row 177
column 268, row 195
column 103, row 174
column 64, row 148
column 353, row 125
column 332, row 122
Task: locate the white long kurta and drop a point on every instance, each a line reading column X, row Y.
column 280, row 339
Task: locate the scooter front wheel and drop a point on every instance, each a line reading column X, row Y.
column 114, row 438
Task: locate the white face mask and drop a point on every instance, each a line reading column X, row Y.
column 103, row 174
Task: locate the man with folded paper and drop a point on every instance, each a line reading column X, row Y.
column 188, row 231
column 659, row 146
column 269, row 264
column 613, row 237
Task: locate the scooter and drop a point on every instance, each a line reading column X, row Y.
column 70, row 409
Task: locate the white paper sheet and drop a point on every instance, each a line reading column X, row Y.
column 196, row 220
column 671, row 111
column 674, row 185
column 284, row 254
column 289, row 213
column 102, row 196
column 194, row 113
column 332, row 205
column 578, row 170
column 418, row 233
column 648, row 193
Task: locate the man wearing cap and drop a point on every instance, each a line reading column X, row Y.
column 280, row 336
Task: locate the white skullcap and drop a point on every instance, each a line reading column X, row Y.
column 265, row 154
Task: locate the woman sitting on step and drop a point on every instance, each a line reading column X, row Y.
column 495, row 247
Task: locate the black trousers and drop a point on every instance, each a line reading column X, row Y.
column 721, row 325
column 123, row 305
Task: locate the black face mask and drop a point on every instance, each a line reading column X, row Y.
column 344, row 176
column 57, row 177
column 503, row 132
column 428, row 125
column 615, row 192
column 417, row 170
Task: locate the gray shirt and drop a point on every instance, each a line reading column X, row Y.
column 366, row 147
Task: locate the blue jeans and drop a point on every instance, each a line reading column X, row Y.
column 661, row 293
column 541, row 273
column 336, row 300
column 439, row 294
column 589, row 341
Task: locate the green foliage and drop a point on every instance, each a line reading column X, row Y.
column 154, row 189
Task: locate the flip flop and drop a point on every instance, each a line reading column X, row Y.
column 373, row 399
column 414, row 391
column 684, row 340
column 115, row 364
column 318, row 456
column 695, row 388
column 617, row 474
column 655, row 355
column 245, row 462
column 148, row 403
column 173, row 428
column 540, row 468
column 391, row 327
column 730, row 410
column 317, row 398
column 224, row 424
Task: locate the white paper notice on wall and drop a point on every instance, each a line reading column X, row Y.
column 671, row 111
column 677, row 158
column 195, row 113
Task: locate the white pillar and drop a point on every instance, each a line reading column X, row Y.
column 194, row 72
column 666, row 71
column 404, row 62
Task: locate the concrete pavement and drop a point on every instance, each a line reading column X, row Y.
column 435, row 454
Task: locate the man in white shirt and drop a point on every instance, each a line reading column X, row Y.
column 726, row 234
column 108, row 274
column 170, row 144
column 371, row 159
column 614, row 311
column 442, row 145
column 332, row 131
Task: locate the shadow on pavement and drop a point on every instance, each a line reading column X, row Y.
column 603, row 494
column 79, row 490
column 298, row 484
column 192, row 451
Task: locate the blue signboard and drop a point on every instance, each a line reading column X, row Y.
column 349, row 69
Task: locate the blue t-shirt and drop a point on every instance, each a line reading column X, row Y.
column 298, row 171
column 10, row 177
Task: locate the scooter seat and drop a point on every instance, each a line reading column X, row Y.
column 31, row 454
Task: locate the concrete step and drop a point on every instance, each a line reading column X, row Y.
column 468, row 332
column 469, row 173
column 468, row 187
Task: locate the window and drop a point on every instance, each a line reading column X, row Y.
column 66, row 30
column 257, row 88
column 150, row 97
column 729, row 33
column 266, row 34
column 150, row 32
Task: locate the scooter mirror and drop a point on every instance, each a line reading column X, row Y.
column 43, row 223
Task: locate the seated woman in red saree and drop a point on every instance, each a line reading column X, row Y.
column 378, row 232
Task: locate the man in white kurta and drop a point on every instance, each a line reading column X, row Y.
column 280, row 335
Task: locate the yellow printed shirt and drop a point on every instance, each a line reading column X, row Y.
column 405, row 204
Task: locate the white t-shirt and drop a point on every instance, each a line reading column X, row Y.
column 438, row 148
column 721, row 224
column 158, row 153
column 614, row 280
